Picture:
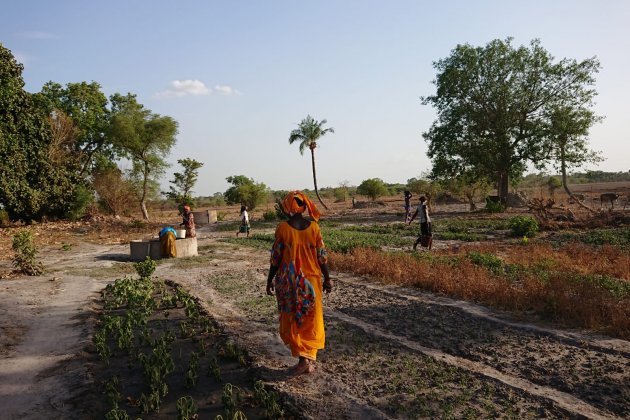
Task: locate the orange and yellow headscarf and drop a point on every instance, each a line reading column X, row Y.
column 291, row 207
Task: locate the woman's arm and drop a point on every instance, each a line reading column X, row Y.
column 327, row 284
column 273, row 269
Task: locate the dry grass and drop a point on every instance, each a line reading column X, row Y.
column 557, row 297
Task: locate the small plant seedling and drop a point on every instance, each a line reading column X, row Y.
column 186, row 408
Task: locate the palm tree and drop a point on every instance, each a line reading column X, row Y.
column 308, row 133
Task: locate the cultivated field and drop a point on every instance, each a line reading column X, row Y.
column 486, row 325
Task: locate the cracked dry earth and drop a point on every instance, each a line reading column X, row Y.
column 390, row 353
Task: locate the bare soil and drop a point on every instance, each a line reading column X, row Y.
column 391, row 352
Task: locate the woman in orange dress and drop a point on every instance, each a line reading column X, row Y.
column 298, row 261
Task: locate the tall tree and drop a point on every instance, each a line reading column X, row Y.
column 143, row 137
column 34, row 182
column 568, row 130
column 183, row 182
column 494, row 105
column 245, row 191
column 86, row 105
column 373, row 188
column 308, row 133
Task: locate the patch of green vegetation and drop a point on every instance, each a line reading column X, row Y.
column 619, row 237
column 227, row 226
column 525, row 226
column 458, row 225
column 460, row 236
column 257, row 240
column 389, row 228
column 345, row 241
column 490, row 262
column 618, row 288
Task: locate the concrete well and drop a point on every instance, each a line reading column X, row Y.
column 140, row 249
column 205, row 217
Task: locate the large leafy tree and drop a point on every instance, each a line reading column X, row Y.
column 245, row 191
column 183, row 182
column 373, row 188
column 568, row 130
column 34, row 182
column 495, row 105
column 143, row 137
column 86, row 105
column 308, row 133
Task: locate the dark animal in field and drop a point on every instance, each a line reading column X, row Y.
column 609, row 198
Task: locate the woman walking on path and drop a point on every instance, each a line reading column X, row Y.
column 408, row 196
column 188, row 222
column 244, row 227
column 298, row 261
column 426, row 234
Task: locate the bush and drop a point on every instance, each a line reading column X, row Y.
column 493, row 206
column 145, row 268
column 523, row 226
column 25, row 254
column 269, row 216
column 489, row 261
column 221, row 216
column 4, row 218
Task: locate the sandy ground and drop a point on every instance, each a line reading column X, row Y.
column 391, row 352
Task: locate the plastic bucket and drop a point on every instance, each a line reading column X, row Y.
column 181, row 233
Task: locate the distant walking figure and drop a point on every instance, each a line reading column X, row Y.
column 426, row 235
column 408, row 196
column 244, row 227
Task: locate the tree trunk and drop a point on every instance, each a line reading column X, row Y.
column 563, row 169
column 503, row 187
column 315, row 178
column 471, row 201
column 143, row 199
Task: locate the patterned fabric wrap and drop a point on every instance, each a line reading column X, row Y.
column 294, row 292
column 290, row 206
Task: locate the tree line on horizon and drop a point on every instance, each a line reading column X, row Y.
column 499, row 109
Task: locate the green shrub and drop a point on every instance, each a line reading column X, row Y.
column 4, row 218
column 25, row 254
column 221, row 216
column 523, row 226
column 82, row 200
column 145, row 268
column 489, row 261
column 269, row 215
column 494, row 206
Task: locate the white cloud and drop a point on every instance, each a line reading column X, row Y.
column 37, row 35
column 226, row 90
column 183, row 88
column 180, row 88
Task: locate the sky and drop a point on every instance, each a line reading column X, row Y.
column 239, row 75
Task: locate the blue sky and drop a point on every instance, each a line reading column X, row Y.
column 239, row 75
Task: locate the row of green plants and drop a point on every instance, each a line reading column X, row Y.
column 345, row 238
column 142, row 324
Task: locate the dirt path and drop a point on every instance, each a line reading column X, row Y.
column 391, row 352
column 45, row 330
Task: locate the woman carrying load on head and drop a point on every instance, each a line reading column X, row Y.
column 298, row 261
column 188, row 222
